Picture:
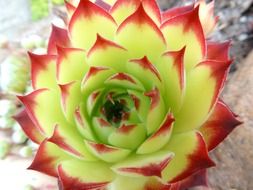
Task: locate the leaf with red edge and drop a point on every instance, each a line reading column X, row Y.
column 58, row 37
column 47, row 158
column 147, row 165
column 197, row 179
column 43, row 70
column 174, row 12
column 29, row 127
column 138, row 33
column 191, row 155
column 218, row 51
column 220, row 123
column 199, row 96
column 123, row 9
column 186, row 30
column 80, row 175
column 88, row 21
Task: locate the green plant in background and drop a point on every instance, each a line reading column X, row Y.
column 41, row 8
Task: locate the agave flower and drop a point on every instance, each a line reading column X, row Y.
column 128, row 97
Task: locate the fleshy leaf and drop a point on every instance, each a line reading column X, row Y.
column 145, row 72
column 107, row 53
column 174, row 12
column 71, row 97
column 206, row 15
column 82, row 123
column 123, row 9
column 95, row 78
column 28, row 127
column 47, row 158
column 200, row 97
column 160, row 138
column 138, row 33
column 185, row 30
column 70, row 141
column 58, row 37
column 43, row 71
column 219, row 124
column 172, row 70
column 107, row 153
column 157, row 111
column 88, row 20
column 191, row 155
column 71, row 65
column 147, row 165
column 218, row 51
column 128, row 136
column 81, row 175
column 44, row 115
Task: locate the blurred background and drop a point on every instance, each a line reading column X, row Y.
column 25, row 25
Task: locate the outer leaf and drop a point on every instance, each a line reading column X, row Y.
column 199, row 96
column 174, row 12
column 47, row 158
column 221, row 122
column 28, row 127
column 58, row 37
column 71, row 65
column 138, row 33
column 43, row 71
column 87, row 21
column 123, row 9
column 190, row 156
column 80, row 175
column 186, row 30
column 218, row 51
column 71, row 141
column 43, row 107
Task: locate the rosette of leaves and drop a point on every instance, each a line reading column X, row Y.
column 128, row 97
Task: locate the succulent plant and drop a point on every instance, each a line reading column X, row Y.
column 14, row 74
column 127, row 97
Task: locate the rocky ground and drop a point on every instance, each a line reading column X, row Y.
column 234, row 157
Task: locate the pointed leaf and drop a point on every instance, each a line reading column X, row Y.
column 76, row 174
column 88, row 20
column 144, row 165
column 220, row 123
column 107, row 54
column 186, row 30
column 123, row 9
column 160, row 138
column 43, row 71
column 29, row 127
column 71, row 65
column 107, row 153
column 43, row 107
column 138, row 33
column 199, row 97
column 128, row 136
column 47, row 158
column 58, row 37
column 191, row 155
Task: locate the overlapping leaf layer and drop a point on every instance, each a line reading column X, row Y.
column 128, row 97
